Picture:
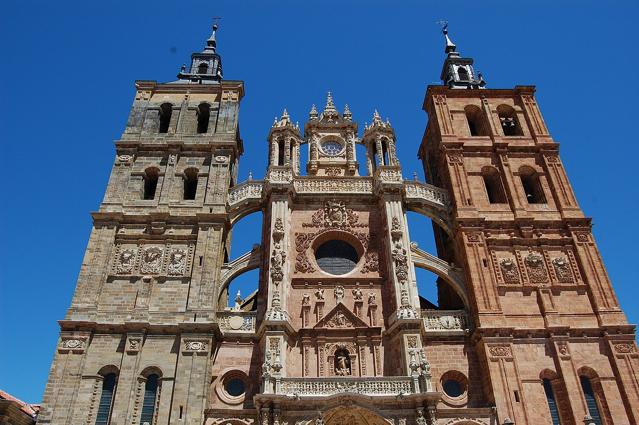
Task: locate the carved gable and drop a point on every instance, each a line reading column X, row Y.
column 340, row 318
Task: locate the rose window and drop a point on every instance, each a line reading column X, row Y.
column 331, row 147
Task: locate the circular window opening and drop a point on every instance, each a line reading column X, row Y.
column 336, row 257
column 453, row 388
column 331, row 147
column 235, row 387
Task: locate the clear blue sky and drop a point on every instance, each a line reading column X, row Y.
column 67, row 85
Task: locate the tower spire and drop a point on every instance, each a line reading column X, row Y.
column 211, row 43
column 458, row 72
column 206, row 66
column 450, row 46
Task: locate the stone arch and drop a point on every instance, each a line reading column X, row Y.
column 464, row 421
column 244, row 199
column 450, row 274
column 248, row 261
column 229, row 421
column 353, row 415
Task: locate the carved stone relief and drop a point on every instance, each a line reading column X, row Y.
column 562, row 268
column 509, row 270
column 143, row 259
column 535, row 268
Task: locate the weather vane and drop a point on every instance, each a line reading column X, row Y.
column 444, row 25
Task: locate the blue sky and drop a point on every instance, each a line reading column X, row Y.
column 67, row 86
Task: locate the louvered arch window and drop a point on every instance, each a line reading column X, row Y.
column 106, row 399
column 591, row 400
column 150, row 400
column 552, row 402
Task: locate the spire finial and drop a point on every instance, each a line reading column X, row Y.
column 450, row 46
column 211, row 43
column 347, row 112
column 329, row 102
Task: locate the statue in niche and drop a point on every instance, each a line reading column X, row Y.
column 342, row 363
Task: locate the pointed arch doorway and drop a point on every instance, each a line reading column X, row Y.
column 353, row 415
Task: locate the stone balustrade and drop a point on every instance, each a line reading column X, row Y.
column 236, row 321
column 427, row 192
column 374, row 386
column 334, row 185
column 445, row 320
column 249, row 190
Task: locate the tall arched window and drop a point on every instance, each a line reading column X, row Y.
column 552, row 402
column 532, row 186
column 280, row 152
column 109, row 383
column 385, row 152
column 150, row 183
column 166, row 109
column 150, row 399
column 591, row 400
column 493, row 185
column 203, row 114
column 190, row 183
column 508, row 119
column 462, row 73
column 476, row 121
column 202, row 68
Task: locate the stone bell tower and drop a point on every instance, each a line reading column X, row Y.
column 136, row 342
column 552, row 344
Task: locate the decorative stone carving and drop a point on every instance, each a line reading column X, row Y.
column 401, row 263
column 335, row 185
column 125, row 159
column 177, row 262
column 151, row 260
column 372, row 299
column 371, row 262
column 562, row 269
column 357, row 294
column 500, row 351
column 339, row 293
column 366, row 385
column 73, row 344
column 302, row 243
column 535, row 268
column 411, row 340
column 562, row 348
column 319, row 294
column 334, row 214
column 126, row 261
column 195, row 345
column 583, row 236
column 473, row 237
column 172, row 159
column 278, row 259
column 306, row 299
column 236, row 321
column 278, row 230
column 221, row 159
column 509, row 270
column 333, row 172
column 625, row 347
column 444, row 320
column 134, row 344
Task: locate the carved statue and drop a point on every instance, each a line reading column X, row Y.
column 357, row 294
column 372, row 298
column 339, row 293
column 238, row 301
column 342, row 363
column 306, row 299
column 319, row 294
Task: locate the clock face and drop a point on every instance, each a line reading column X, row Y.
column 331, row 147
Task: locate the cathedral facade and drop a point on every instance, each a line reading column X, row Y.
column 527, row 329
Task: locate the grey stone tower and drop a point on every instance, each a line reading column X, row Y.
column 141, row 326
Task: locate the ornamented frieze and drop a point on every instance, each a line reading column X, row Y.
column 153, row 259
column 536, row 268
column 329, row 386
column 501, row 350
column 312, row 185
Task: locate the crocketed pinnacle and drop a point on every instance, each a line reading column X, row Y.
column 330, row 106
column 312, row 115
column 347, row 113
